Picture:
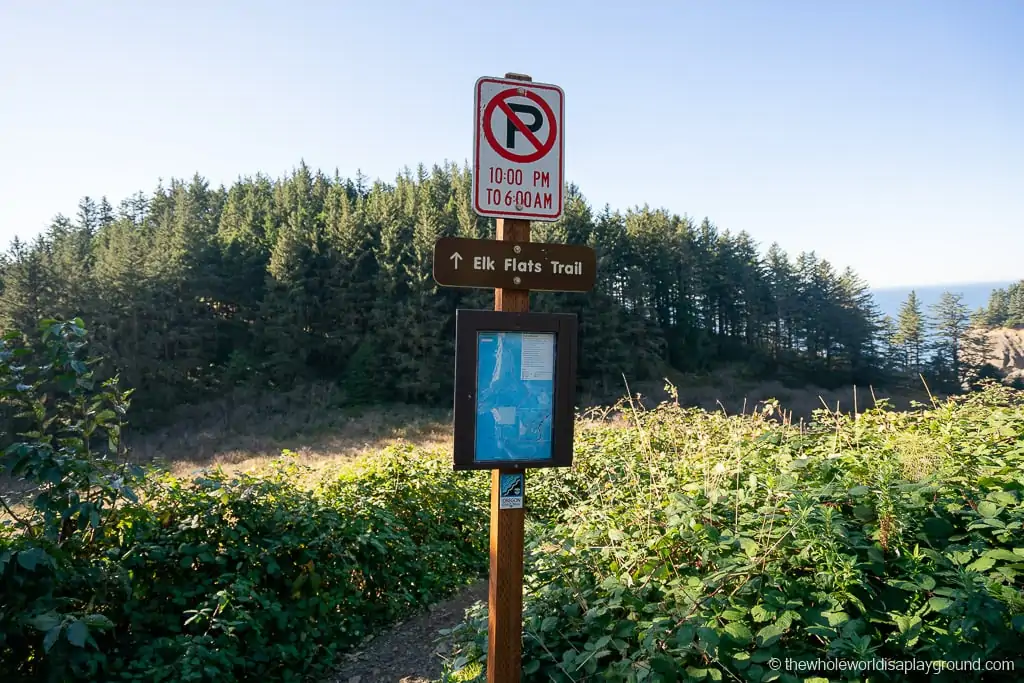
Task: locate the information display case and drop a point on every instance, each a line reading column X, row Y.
column 515, row 389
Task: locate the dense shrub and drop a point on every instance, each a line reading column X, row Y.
column 105, row 575
column 255, row 576
column 698, row 547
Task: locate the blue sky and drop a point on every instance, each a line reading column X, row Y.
column 885, row 136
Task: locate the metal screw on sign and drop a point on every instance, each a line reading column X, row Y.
column 517, row 249
column 522, row 91
column 519, row 207
column 517, row 279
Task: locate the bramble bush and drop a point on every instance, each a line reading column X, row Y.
column 697, row 546
column 109, row 573
column 690, row 546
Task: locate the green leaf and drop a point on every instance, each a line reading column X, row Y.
column 30, row 558
column 836, row 618
column 769, row 635
column 907, row 622
column 97, row 621
column 865, row 513
column 51, row 637
column 686, row 634
column 45, row 621
column 961, row 556
column 988, row 509
column 709, row 636
column 548, row 624
column 1002, row 497
column 1002, row 554
column 624, row 628
column 858, row 491
column 531, row 667
column 982, row 564
column 739, row 631
column 77, row 633
column 750, row 546
column 938, row 604
column 615, row 534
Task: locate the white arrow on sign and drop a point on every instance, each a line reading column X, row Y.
column 456, row 257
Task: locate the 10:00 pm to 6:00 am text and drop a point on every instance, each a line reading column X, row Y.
column 521, row 199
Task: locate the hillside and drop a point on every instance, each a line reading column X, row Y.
column 193, row 291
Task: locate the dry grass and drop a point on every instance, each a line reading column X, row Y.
column 243, row 431
column 918, row 455
column 725, row 391
column 347, row 437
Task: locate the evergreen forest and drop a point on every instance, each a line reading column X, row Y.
column 191, row 290
column 1005, row 308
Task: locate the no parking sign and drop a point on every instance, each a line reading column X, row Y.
column 518, row 150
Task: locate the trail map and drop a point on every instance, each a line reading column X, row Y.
column 515, row 396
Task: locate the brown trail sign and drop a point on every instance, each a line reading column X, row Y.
column 514, row 374
column 535, row 266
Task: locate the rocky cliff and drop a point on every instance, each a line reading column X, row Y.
column 1006, row 352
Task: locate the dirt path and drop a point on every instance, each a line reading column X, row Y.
column 407, row 652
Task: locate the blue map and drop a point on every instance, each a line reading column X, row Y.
column 515, row 396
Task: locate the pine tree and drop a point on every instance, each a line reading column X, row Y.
column 956, row 345
column 89, row 216
column 293, row 320
column 1015, row 305
column 782, row 284
column 893, row 357
column 28, row 293
column 122, row 315
column 911, row 333
column 859, row 330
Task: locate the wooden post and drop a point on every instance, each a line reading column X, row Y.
column 505, row 585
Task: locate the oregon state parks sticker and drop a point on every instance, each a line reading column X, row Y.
column 510, row 493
